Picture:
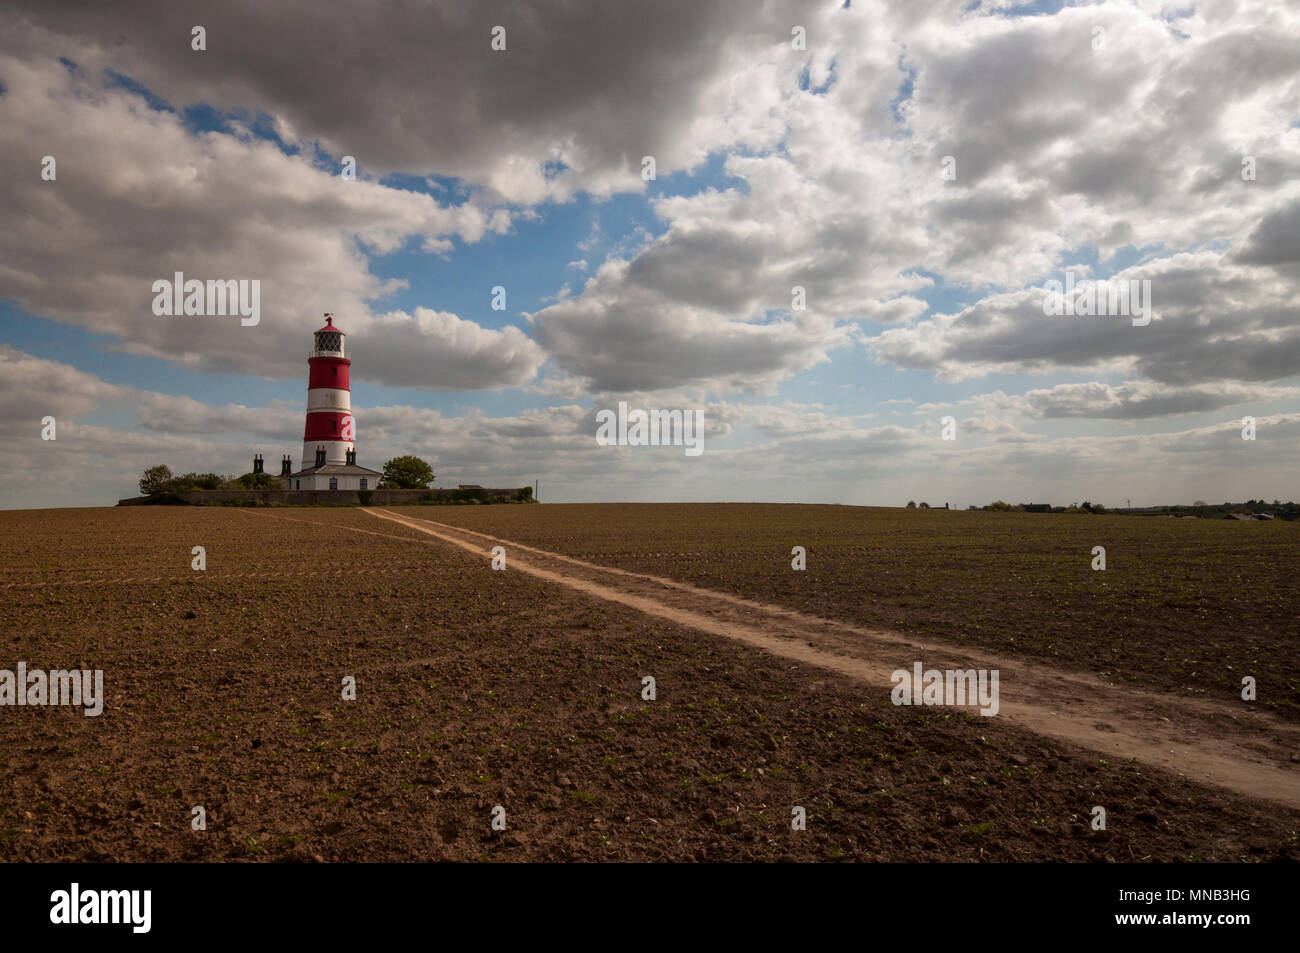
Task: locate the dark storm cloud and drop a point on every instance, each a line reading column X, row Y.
column 415, row 86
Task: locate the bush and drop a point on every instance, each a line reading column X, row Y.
column 364, row 496
column 154, row 480
column 193, row 481
column 252, row 481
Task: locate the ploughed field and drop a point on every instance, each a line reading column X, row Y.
column 1185, row 606
column 478, row 689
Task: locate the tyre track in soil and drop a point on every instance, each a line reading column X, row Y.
column 1245, row 751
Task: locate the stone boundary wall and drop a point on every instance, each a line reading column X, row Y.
column 332, row 497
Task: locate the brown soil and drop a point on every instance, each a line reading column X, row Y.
column 479, row 688
column 1239, row 748
column 1185, row 607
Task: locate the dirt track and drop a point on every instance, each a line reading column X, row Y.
column 1243, row 750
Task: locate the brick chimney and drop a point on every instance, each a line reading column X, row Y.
column 257, row 463
column 286, row 465
column 320, row 456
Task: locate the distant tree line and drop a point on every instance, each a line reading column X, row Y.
column 1276, row 509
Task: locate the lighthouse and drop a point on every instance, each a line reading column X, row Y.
column 330, row 425
column 329, row 455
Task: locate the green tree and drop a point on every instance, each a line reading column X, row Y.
column 253, row 481
column 154, row 480
column 407, row 473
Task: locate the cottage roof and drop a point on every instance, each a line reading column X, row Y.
column 337, row 469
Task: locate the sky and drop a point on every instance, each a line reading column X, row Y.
column 854, row 214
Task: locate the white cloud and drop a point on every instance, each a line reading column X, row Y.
column 137, row 199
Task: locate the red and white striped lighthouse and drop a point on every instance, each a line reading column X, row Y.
column 329, row 400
